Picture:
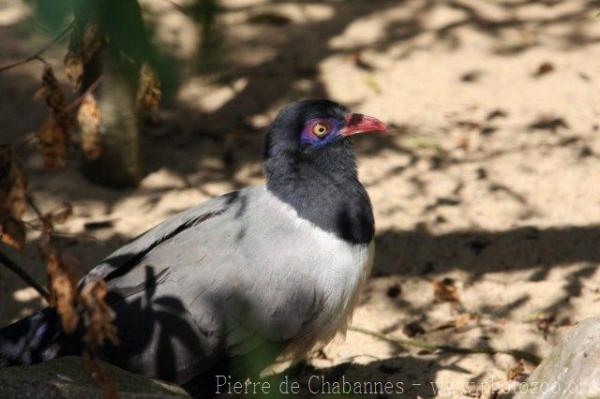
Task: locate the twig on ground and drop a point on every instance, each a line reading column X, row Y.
column 38, row 54
column 518, row 354
column 18, row 270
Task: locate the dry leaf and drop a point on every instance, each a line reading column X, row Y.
column 55, row 97
column 99, row 328
column 99, row 316
column 63, row 291
column 544, row 69
column 53, row 136
column 91, row 42
column 445, row 290
column 82, row 48
column 149, row 93
column 463, row 142
column 12, row 232
column 13, row 198
column 53, row 142
column 516, row 372
column 89, row 118
column 73, row 69
column 545, row 322
column 13, row 183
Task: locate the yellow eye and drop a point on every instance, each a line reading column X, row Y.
column 320, row 129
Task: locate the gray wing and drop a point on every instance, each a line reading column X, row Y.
column 218, row 276
column 124, row 259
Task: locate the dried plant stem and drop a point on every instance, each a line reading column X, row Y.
column 73, row 104
column 19, row 271
column 38, row 54
column 33, row 205
column 22, row 62
column 517, row 354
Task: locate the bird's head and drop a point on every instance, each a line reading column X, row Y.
column 310, row 165
column 312, row 126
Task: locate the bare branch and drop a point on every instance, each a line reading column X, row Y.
column 38, row 54
column 19, row 271
column 35, row 208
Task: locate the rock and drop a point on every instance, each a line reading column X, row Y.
column 67, row 378
column 572, row 370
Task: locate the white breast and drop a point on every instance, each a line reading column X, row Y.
column 343, row 280
column 341, row 269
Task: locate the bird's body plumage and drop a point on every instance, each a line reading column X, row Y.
column 228, row 242
column 276, row 267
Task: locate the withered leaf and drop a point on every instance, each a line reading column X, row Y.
column 149, row 92
column 82, row 48
column 99, row 315
column 516, row 372
column 73, row 69
column 13, row 184
column 55, row 97
column 13, row 198
column 463, row 142
column 445, row 290
column 53, row 140
column 89, row 118
column 63, row 291
column 90, row 42
column 544, row 69
column 12, row 232
column 545, row 322
column 53, row 136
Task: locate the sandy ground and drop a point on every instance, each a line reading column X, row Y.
column 491, row 177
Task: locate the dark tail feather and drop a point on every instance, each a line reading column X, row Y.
column 34, row 339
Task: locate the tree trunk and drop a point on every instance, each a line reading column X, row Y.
column 117, row 66
column 120, row 164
